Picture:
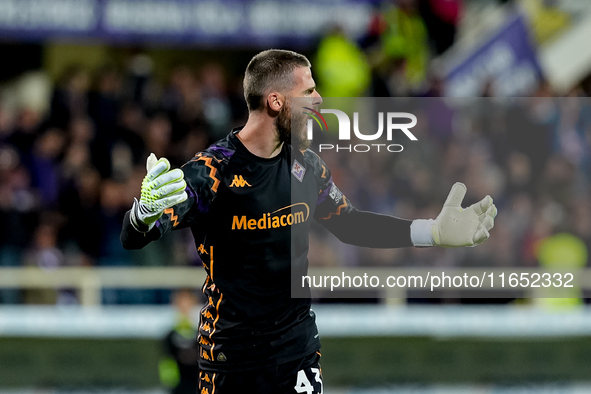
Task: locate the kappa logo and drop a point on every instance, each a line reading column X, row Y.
column 239, row 182
column 207, row 314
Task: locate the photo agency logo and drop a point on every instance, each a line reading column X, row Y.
column 394, row 123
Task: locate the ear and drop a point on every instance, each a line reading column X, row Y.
column 275, row 101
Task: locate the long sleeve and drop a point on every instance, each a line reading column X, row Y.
column 336, row 213
column 369, row 229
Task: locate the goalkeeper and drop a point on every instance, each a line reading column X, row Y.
column 249, row 200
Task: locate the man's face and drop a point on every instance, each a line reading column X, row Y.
column 291, row 125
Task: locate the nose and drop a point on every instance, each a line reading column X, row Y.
column 316, row 98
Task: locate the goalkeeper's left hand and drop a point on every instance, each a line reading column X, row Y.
column 456, row 226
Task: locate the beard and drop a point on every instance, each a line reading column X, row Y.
column 292, row 128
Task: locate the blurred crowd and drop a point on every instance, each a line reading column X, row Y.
column 68, row 176
column 533, row 155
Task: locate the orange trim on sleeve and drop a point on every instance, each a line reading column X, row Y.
column 173, row 217
column 207, row 161
column 338, row 212
column 216, row 181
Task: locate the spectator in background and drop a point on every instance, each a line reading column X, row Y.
column 110, row 219
column 179, row 370
column 342, row 69
column 18, row 214
column 441, row 18
column 140, row 86
column 45, row 165
column 216, row 104
column 78, row 151
column 70, row 98
column 46, row 255
column 158, row 135
column 130, row 131
column 25, row 132
column 182, row 101
column 79, row 202
column 400, row 49
column 103, row 108
column 562, row 251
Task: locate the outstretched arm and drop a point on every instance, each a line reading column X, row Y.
column 453, row 227
column 362, row 228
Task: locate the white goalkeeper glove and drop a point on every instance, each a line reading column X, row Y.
column 456, row 226
column 161, row 189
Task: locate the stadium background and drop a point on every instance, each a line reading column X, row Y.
column 89, row 88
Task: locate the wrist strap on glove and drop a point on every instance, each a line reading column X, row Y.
column 135, row 213
column 420, row 232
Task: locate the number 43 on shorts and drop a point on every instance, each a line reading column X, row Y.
column 303, row 384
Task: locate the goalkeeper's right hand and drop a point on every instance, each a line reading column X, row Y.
column 161, row 189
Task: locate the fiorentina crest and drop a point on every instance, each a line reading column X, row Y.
column 298, row 170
